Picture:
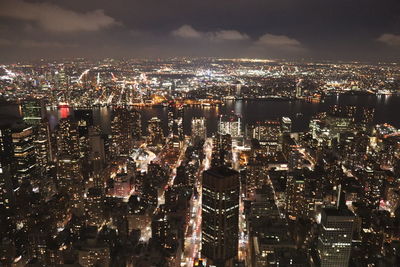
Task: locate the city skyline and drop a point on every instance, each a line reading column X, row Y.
column 228, row 133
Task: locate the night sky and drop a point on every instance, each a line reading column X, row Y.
column 366, row 30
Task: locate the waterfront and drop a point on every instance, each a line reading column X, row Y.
column 251, row 111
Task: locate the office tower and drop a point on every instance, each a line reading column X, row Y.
column 230, row 125
column 121, row 132
column 94, row 206
column 84, row 118
column 175, row 120
column 222, row 150
column 374, row 184
column 24, row 166
column 256, row 177
column 43, row 146
column 298, row 92
column 286, row 125
column 334, row 242
column 171, row 117
column 269, row 135
column 296, row 205
column 160, row 226
column 6, row 144
column 199, row 130
column 96, row 142
column 155, row 132
column 220, row 215
column 68, row 138
column 69, row 175
column 33, row 111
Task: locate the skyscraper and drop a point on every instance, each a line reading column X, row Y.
column 175, row 121
column 33, row 111
column 334, row 243
column 230, row 125
column 68, row 138
column 121, row 131
column 199, row 131
column 220, row 211
column 24, row 158
column 155, row 132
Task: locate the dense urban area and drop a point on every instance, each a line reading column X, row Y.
column 170, row 191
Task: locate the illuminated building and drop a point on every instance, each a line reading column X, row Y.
column 160, row 226
column 33, row 111
column 6, row 190
column 222, row 150
column 220, row 215
column 298, row 92
column 122, row 185
column 199, row 130
column 269, row 135
column 256, row 177
column 374, row 187
column 94, row 253
column 286, row 125
column 84, row 118
column 334, row 242
column 155, row 132
column 94, row 203
column 24, row 165
column 175, row 121
column 68, row 138
column 295, row 200
column 121, row 132
column 43, row 146
column 230, row 125
column 6, row 144
column 69, row 177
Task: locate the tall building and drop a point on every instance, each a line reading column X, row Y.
column 33, row 111
column 68, row 138
column 286, row 125
column 6, row 190
column 121, row 131
column 176, row 121
column 334, row 242
column 155, row 132
column 24, row 166
column 6, row 144
column 269, row 135
column 230, row 125
column 220, row 214
column 43, row 146
column 298, row 92
column 199, row 130
column 222, row 150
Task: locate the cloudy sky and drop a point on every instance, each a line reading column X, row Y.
column 291, row 29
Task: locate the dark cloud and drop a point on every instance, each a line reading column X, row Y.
column 187, row 31
column 54, row 18
column 339, row 29
column 390, row 39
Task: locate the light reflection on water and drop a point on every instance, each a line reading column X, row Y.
column 387, row 110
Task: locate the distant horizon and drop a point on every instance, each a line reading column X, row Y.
column 236, row 59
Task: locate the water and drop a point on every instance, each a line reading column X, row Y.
column 387, row 109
